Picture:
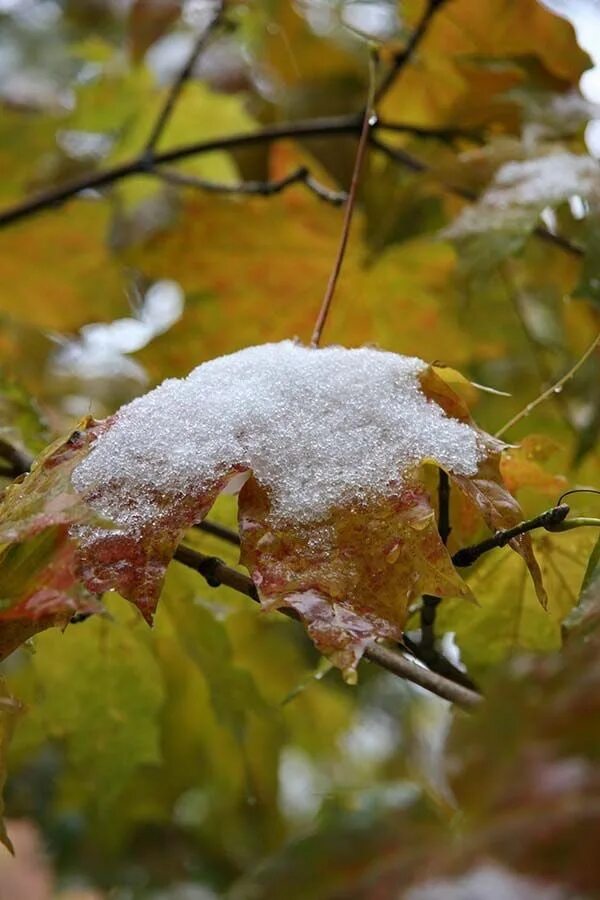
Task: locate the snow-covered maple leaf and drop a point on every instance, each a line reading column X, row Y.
column 326, row 448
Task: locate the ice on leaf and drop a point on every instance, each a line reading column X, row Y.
column 327, row 447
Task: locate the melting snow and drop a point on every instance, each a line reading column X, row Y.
column 316, row 427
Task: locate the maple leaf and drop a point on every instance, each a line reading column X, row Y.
column 326, row 449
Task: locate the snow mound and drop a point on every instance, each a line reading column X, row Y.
column 317, row 427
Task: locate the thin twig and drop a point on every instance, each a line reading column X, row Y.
column 300, row 175
column 430, row 601
column 216, row 572
column 553, row 389
column 537, row 347
column 219, row 531
column 552, row 520
column 404, row 56
column 183, row 76
column 368, row 122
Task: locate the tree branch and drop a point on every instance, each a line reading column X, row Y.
column 216, row 572
column 183, row 76
column 552, row 520
column 430, row 602
column 303, row 129
column 404, row 56
column 300, row 175
column 219, row 531
column 142, row 164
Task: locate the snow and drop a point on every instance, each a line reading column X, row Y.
column 525, row 186
column 317, row 427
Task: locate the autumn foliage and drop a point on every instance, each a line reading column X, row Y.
column 176, row 175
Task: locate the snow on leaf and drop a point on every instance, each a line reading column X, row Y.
column 501, row 220
column 326, row 446
column 522, row 189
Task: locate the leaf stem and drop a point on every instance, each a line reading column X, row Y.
column 553, row 389
column 367, row 123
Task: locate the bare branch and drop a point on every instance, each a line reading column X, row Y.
column 551, row 520
column 216, row 572
column 183, row 76
column 17, row 461
column 437, row 662
column 367, row 123
column 261, row 188
column 404, row 56
column 304, row 129
column 219, row 531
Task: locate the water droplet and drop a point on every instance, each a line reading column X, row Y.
column 350, row 676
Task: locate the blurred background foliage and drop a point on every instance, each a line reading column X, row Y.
column 214, row 753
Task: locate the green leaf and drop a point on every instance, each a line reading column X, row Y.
column 100, row 694
column 204, row 639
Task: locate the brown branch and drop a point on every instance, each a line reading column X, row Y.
column 437, row 662
column 219, row 531
column 551, row 520
column 18, row 461
column 303, row 129
column 216, row 572
column 553, row 389
column 300, row 175
column 431, row 602
column 404, row 56
column 183, row 76
column 367, row 123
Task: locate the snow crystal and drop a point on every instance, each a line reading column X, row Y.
column 316, row 427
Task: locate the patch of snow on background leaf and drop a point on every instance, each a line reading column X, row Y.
column 318, row 428
column 523, row 189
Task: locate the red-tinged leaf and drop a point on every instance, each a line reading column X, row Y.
column 46, row 496
column 339, row 528
column 352, row 575
column 134, row 562
column 40, row 587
